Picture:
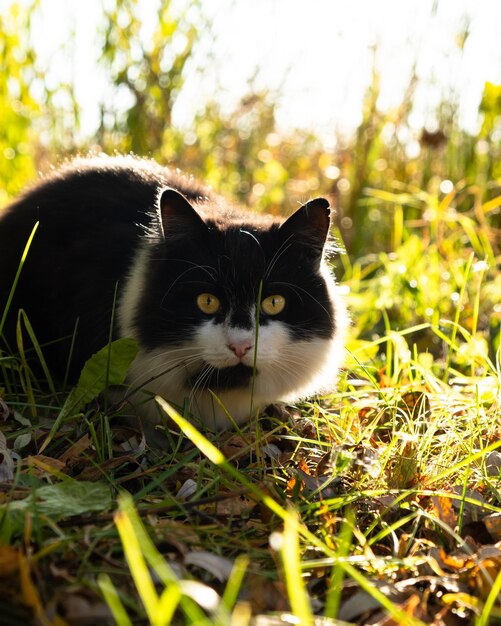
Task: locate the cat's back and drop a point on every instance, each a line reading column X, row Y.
column 87, row 207
column 122, row 188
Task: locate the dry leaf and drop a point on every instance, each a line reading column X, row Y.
column 76, row 449
column 235, row 506
column 187, row 489
column 443, row 510
column 6, row 461
column 9, row 561
column 81, row 610
column 412, row 607
column 493, row 525
column 219, row 566
column 44, row 465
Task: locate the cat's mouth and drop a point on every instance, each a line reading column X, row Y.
column 239, row 375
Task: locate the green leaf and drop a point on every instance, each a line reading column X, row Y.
column 72, row 498
column 60, row 500
column 107, row 367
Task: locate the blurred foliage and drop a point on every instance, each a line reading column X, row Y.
column 412, row 205
column 149, row 77
column 17, row 105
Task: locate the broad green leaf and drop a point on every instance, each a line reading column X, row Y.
column 57, row 501
column 107, row 367
column 72, row 498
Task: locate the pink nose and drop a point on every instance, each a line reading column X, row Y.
column 240, row 348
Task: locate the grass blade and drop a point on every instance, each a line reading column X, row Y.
column 296, row 590
column 113, row 601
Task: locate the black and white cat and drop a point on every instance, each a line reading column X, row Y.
column 231, row 310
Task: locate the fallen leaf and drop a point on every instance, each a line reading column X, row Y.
column 411, row 607
column 9, row 561
column 220, row 567
column 443, row 510
column 493, row 463
column 493, row 525
column 6, row 461
column 80, row 610
column 75, row 450
column 44, row 465
column 61, row 500
column 235, row 506
column 187, row 489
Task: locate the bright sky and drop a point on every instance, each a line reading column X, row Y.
column 319, row 54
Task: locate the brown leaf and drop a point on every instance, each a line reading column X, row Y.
column 411, row 607
column 493, row 463
column 303, row 466
column 237, row 506
column 9, row 561
column 234, row 446
column 44, row 465
column 76, row 449
column 454, row 562
column 442, row 508
column 482, row 576
column 493, row 525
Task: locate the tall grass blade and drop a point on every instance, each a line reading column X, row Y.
column 234, row 583
column 489, row 608
column 137, row 566
column 290, row 553
column 344, row 539
column 16, row 277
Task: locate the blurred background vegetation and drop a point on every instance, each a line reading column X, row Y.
column 421, row 228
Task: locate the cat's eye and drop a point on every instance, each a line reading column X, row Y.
column 273, row 305
column 208, row 303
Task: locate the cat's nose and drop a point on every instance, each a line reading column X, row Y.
column 240, row 348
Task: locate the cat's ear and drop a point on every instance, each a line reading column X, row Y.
column 309, row 225
column 177, row 214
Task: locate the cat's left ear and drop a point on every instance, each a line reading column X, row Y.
column 177, row 214
column 309, row 225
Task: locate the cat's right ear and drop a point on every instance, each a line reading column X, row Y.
column 177, row 214
column 309, row 225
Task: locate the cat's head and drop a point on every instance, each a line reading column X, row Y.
column 238, row 310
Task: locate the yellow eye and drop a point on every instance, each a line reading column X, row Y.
column 273, row 305
column 208, row 303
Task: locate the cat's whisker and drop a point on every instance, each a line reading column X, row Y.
column 161, row 369
column 199, row 384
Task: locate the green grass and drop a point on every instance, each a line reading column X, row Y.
column 380, row 503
